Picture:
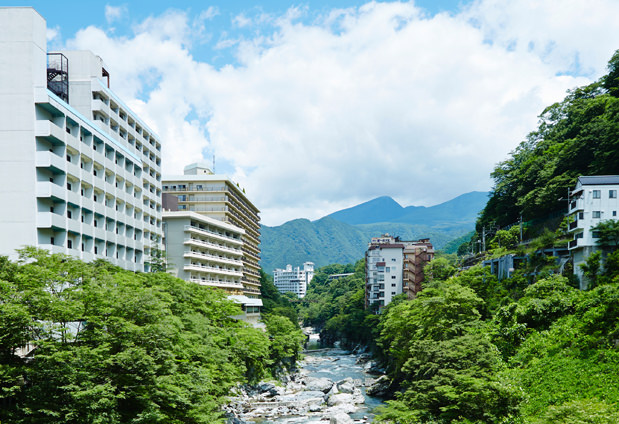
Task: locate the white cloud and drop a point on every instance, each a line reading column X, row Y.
column 52, row 34
column 368, row 101
column 114, row 13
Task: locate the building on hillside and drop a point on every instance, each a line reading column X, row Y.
column 217, row 197
column 593, row 200
column 294, row 280
column 208, row 252
column 393, row 267
column 82, row 171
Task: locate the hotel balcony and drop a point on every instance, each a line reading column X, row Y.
column 49, row 189
column 51, row 160
column 577, row 205
column 50, row 220
column 50, row 131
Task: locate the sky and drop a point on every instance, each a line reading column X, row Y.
column 320, row 105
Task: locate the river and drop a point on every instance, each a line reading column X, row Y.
column 334, row 364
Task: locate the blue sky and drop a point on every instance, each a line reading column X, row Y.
column 321, row 105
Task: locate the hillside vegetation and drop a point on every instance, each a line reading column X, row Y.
column 578, row 136
column 530, row 349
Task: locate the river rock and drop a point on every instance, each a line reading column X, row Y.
column 380, row 388
column 305, row 397
column 340, row 398
column 318, row 384
column 341, row 418
column 346, row 386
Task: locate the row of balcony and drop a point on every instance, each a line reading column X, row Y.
column 214, row 234
column 206, row 256
column 215, row 246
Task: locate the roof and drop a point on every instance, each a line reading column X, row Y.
column 598, row 179
column 247, row 301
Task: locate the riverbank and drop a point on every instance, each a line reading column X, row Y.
column 329, row 387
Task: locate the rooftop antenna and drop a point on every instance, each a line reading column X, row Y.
column 213, row 163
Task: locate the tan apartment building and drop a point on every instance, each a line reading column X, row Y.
column 217, row 196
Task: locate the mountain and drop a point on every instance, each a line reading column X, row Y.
column 342, row 236
column 463, row 208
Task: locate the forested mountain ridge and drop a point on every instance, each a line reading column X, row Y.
column 578, row 136
column 343, row 236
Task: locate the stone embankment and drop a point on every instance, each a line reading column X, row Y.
column 301, row 398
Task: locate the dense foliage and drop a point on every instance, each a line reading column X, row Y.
column 111, row 346
column 579, row 136
column 472, row 349
column 336, row 307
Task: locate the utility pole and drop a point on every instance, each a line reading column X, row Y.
column 520, row 228
column 483, row 238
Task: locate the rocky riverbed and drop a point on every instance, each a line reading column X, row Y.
column 330, row 387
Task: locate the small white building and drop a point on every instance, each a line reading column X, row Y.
column 592, row 201
column 294, row 280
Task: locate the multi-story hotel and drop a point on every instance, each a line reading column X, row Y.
column 592, row 201
column 207, row 251
column 218, row 197
column 81, row 171
column 294, row 280
column 394, row 267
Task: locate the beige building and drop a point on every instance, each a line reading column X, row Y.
column 218, row 197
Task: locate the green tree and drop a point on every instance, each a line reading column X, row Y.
column 608, row 233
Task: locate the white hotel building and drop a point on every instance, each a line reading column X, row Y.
column 81, row 171
column 294, row 280
column 592, row 201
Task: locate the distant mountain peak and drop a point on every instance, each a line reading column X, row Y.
column 380, row 209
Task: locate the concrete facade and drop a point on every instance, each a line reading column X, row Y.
column 593, row 200
column 393, row 267
column 294, row 280
column 82, row 172
column 218, row 197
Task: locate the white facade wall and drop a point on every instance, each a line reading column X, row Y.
column 384, row 265
column 595, row 199
column 294, row 280
column 83, row 177
column 204, row 250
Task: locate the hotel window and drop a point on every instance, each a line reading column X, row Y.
column 70, row 244
column 597, row 194
column 596, row 214
column 612, row 194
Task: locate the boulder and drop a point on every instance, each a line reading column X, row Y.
column 341, row 418
column 318, row 384
column 307, row 397
column 340, row 398
column 346, row 386
column 380, row 388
